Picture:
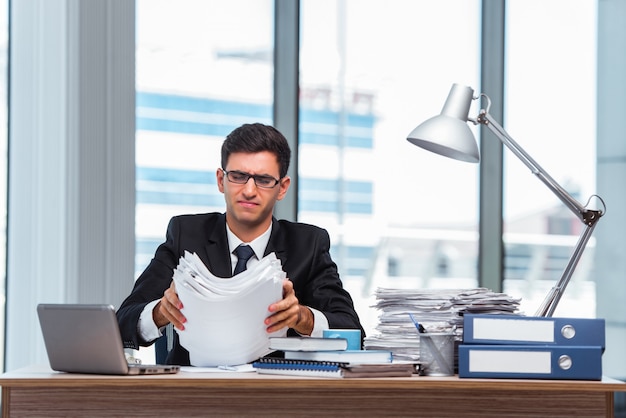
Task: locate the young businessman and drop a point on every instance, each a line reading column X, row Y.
column 253, row 177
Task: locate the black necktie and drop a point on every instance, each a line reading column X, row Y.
column 243, row 253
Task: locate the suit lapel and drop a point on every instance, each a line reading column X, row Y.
column 276, row 243
column 218, row 256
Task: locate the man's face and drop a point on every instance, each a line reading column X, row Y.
column 249, row 206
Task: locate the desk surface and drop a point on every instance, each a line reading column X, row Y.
column 38, row 390
column 33, row 375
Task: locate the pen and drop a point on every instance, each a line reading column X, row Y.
column 420, row 327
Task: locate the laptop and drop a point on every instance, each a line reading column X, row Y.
column 83, row 338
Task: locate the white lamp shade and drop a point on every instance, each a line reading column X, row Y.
column 448, row 134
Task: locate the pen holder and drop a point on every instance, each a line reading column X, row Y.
column 437, row 353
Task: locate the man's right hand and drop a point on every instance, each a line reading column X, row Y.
column 168, row 310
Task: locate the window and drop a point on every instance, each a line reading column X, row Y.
column 370, row 72
column 550, row 111
column 203, row 68
column 391, row 222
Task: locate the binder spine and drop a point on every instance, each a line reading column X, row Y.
column 514, row 329
column 530, row 362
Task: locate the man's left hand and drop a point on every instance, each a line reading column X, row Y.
column 289, row 313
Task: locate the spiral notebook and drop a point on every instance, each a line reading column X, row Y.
column 279, row 366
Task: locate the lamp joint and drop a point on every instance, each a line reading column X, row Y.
column 590, row 217
column 482, row 118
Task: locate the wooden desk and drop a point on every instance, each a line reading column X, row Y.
column 37, row 391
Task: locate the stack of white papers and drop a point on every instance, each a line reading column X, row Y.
column 439, row 310
column 225, row 315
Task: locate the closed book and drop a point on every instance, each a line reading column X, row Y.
column 307, row 344
column 378, row 370
column 343, row 356
column 514, row 329
column 530, row 361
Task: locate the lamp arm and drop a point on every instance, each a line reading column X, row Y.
column 587, row 216
column 578, row 209
column 548, row 306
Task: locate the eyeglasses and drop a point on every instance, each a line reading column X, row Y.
column 239, row 177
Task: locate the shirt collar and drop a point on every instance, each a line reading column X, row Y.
column 258, row 244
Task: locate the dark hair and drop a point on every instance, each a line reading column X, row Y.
column 256, row 137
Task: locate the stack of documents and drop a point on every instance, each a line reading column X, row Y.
column 439, row 310
column 315, row 368
column 225, row 316
column 502, row 346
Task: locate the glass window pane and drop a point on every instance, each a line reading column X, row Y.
column 370, row 72
column 550, row 111
column 203, row 68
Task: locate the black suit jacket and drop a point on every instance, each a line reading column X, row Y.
column 303, row 250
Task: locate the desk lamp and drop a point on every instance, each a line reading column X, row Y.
column 448, row 134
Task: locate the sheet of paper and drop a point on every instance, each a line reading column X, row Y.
column 241, row 368
column 225, row 316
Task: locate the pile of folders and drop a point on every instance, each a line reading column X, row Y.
column 511, row 346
